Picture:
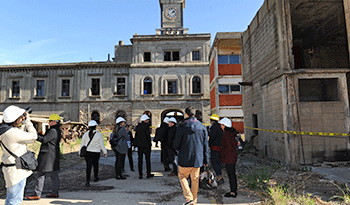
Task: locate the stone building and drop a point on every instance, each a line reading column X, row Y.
column 158, row 75
column 295, row 59
column 225, row 75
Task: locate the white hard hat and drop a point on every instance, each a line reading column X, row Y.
column 92, row 123
column 11, row 113
column 172, row 119
column 166, row 120
column 144, row 117
column 119, row 119
column 225, row 121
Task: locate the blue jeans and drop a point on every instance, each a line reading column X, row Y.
column 14, row 195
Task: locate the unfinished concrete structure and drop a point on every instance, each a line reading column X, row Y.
column 158, row 74
column 225, row 74
column 295, row 59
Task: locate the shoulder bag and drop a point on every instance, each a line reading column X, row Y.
column 83, row 148
column 26, row 161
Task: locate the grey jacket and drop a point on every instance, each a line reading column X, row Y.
column 122, row 136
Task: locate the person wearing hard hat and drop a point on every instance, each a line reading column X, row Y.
column 143, row 143
column 171, row 151
column 229, row 154
column 120, row 147
column 49, row 159
column 16, row 131
column 215, row 137
column 96, row 144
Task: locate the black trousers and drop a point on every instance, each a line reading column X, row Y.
column 131, row 162
column 92, row 159
column 119, row 163
column 148, row 161
column 231, row 172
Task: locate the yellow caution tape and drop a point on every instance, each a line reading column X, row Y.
column 300, row 132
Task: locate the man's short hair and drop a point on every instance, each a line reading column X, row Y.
column 190, row 111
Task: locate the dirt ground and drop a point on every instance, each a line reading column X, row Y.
column 72, row 177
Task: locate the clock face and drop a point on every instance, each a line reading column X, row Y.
column 171, row 13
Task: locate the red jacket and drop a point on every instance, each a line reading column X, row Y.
column 228, row 151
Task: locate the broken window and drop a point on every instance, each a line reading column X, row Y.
column 196, row 85
column 147, row 86
column 95, row 86
column 15, row 88
column 172, row 87
column 315, row 90
column 40, row 85
column 65, row 87
column 147, row 56
column 120, row 86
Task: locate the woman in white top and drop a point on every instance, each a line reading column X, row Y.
column 93, row 150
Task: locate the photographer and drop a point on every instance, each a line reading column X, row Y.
column 48, row 159
column 15, row 131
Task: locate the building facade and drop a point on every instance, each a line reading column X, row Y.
column 158, row 75
column 225, row 74
column 295, row 59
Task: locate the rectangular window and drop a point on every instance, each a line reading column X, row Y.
column 40, row 87
column 15, row 89
column 95, row 86
column 195, row 55
column 316, row 90
column 172, row 87
column 65, row 87
column 171, row 55
column 147, row 56
column 230, row 89
column 167, row 56
column 229, row 59
column 176, row 55
column 120, row 86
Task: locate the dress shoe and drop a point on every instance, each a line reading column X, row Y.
column 229, row 194
column 96, row 179
column 140, row 177
column 166, row 169
column 52, row 196
column 132, row 170
column 87, row 184
column 150, row 175
column 33, row 197
column 121, row 177
column 172, row 174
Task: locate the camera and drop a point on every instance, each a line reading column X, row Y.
column 29, row 110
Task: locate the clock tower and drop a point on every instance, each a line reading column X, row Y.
column 172, row 16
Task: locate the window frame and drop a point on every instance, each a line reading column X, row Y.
column 193, row 56
column 37, row 92
column 225, row 59
column 175, row 86
column 144, row 56
column 193, row 85
column 91, row 87
column 171, row 55
column 116, row 93
column 229, row 91
column 144, row 87
column 13, row 89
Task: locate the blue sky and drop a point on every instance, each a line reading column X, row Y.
column 63, row 31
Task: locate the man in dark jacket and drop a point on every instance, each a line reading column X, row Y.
column 170, row 144
column 48, row 159
column 191, row 140
column 143, row 144
column 215, row 138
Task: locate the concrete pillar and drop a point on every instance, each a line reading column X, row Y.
column 347, row 20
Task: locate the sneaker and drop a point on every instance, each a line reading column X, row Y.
column 33, row 197
column 189, row 202
column 52, row 196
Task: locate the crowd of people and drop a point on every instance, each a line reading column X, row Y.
column 186, row 147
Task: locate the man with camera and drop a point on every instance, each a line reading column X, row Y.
column 48, row 159
column 16, row 131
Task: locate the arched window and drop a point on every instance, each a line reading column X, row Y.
column 196, row 85
column 147, row 86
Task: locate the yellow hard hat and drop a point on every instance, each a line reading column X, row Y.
column 54, row 117
column 215, row 117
